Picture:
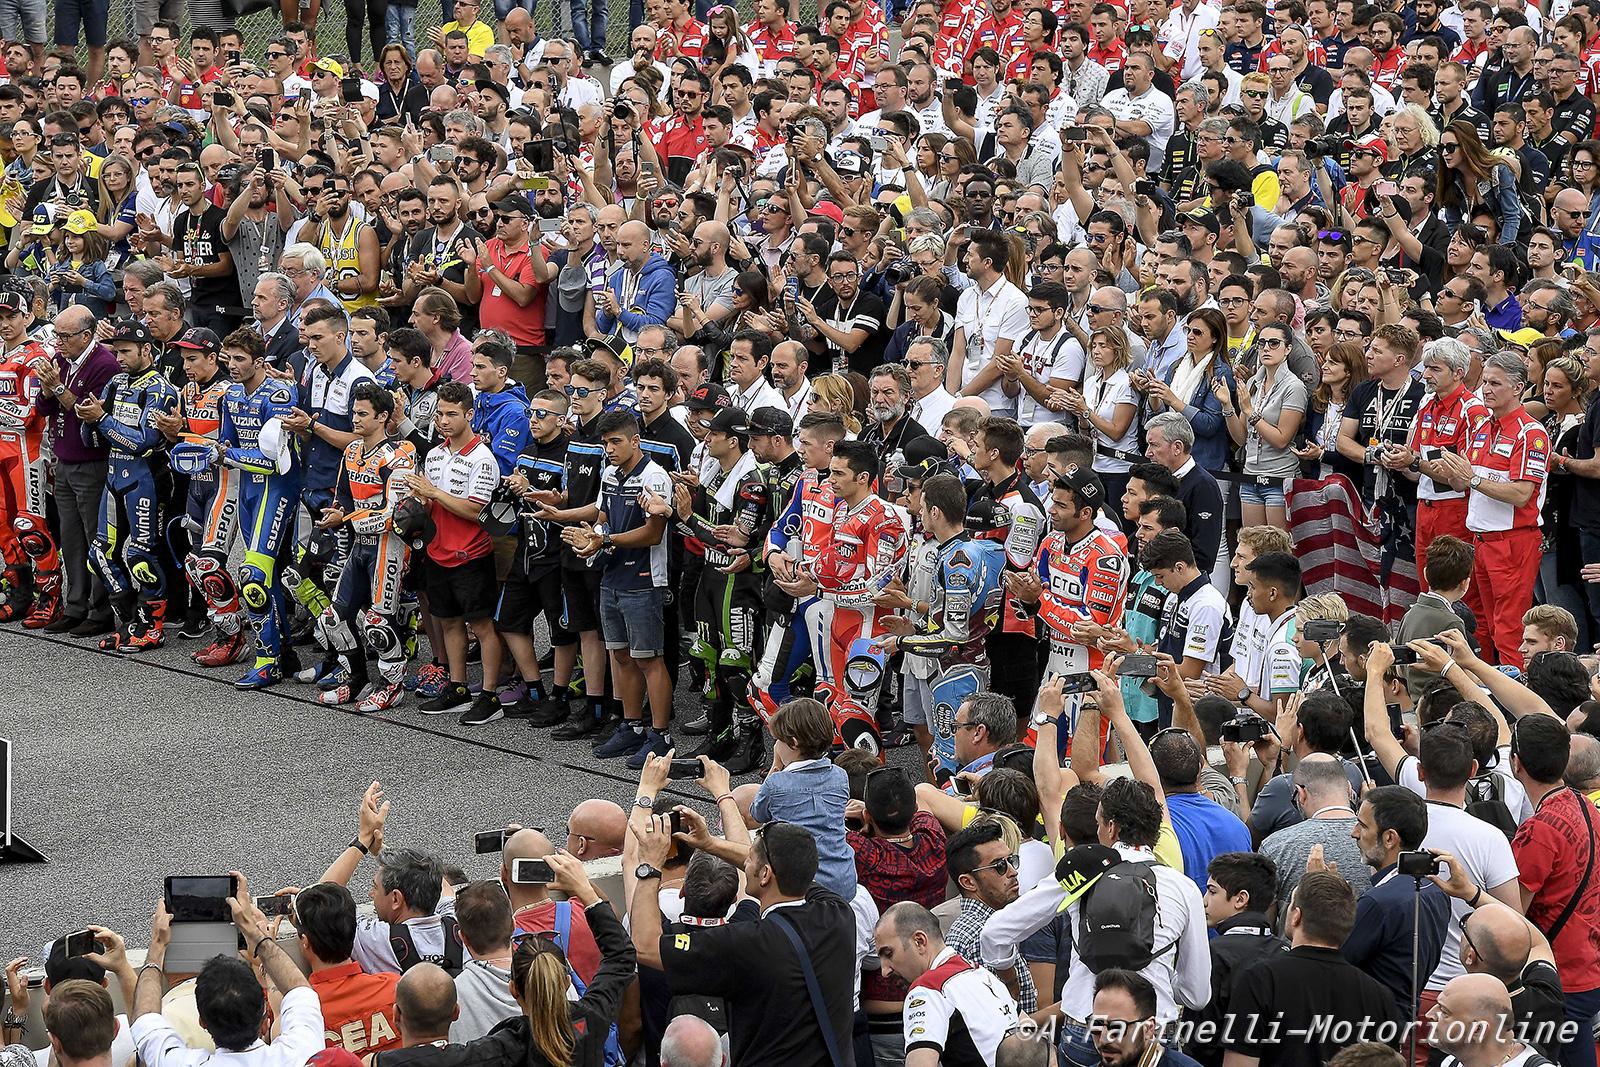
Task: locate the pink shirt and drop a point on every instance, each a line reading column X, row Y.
column 456, row 364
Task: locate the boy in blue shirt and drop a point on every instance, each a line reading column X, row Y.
column 805, row 787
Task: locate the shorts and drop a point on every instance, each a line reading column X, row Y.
column 1268, row 495
column 505, row 551
column 91, row 14
column 522, row 599
column 581, row 590
column 146, row 12
column 631, row 619
column 465, row 592
column 916, row 700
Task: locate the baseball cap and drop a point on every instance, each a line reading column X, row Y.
column 484, row 85
column 921, row 457
column 828, row 209
column 81, row 222
column 125, row 329
column 709, row 396
column 1202, row 216
column 43, row 220
column 59, row 967
column 1374, row 143
column 744, row 142
column 12, row 303
column 1522, row 338
column 730, row 420
column 515, row 204
column 771, row 421
column 332, row 66
column 199, row 337
column 1087, row 486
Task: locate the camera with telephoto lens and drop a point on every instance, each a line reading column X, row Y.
column 1245, row 729
column 1320, row 147
column 622, row 111
column 899, row 272
column 1419, row 864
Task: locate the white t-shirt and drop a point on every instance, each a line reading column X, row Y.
column 999, row 314
column 1059, row 357
column 1036, row 861
column 1516, row 797
column 1103, row 397
column 1154, row 107
column 1486, row 855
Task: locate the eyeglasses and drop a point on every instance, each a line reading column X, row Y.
column 1001, row 865
column 581, row 391
column 850, row 277
column 1096, row 309
column 959, row 726
column 1048, row 268
column 1359, row 239
column 1036, row 310
column 1584, row 163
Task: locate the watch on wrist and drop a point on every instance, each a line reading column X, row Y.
column 1238, row 779
column 357, row 843
column 1477, row 480
column 1041, row 718
column 59, row 389
column 1244, row 694
column 644, row 870
column 642, row 801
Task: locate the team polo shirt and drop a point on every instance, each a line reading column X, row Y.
column 326, row 395
column 769, row 46
column 1273, row 664
column 642, row 567
column 1513, row 448
column 473, row 473
column 690, row 39
column 498, row 311
column 1195, row 624
column 1448, row 423
column 357, row 1008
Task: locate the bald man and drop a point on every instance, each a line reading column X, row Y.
column 690, row 1041
column 1299, row 273
column 534, row 912
column 976, row 403
column 708, row 295
column 596, row 829
column 425, row 1005
column 1583, row 761
column 1473, row 1022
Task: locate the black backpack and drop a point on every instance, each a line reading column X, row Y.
column 1486, row 800
column 405, row 947
column 1116, row 908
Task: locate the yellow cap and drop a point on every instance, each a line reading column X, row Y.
column 81, row 222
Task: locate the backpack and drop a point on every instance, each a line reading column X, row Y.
column 563, row 934
column 1117, row 919
column 1486, row 800
column 405, row 947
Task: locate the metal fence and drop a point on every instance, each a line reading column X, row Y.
column 553, row 18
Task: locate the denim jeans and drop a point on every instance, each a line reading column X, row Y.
column 502, row 8
column 1549, row 591
column 1589, row 542
column 590, row 30
column 1581, row 1009
column 397, row 26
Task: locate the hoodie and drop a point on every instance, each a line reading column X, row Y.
column 503, row 419
column 650, row 305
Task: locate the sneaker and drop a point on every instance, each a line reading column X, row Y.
column 195, row 629
column 607, row 723
column 388, row 696
column 429, row 672
column 451, row 696
column 516, row 694
column 548, row 713
column 656, row 743
column 750, row 751
column 485, row 709
column 625, row 741
column 698, row 723
column 584, row 724
column 431, row 681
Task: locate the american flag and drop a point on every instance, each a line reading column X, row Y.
column 1337, row 539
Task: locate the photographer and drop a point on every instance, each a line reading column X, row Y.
column 1233, row 201
column 1391, row 825
column 1318, row 723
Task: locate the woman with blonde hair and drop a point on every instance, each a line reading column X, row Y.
column 119, row 197
column 833, row 392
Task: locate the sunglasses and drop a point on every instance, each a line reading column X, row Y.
column 1001, row 865
column 139, row 101
column 581, row 391
column 1254, row 94
column 1330, row 235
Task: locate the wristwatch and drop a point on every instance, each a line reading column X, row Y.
column 642, row 801
column 644, row 870
column 605, row 542
column 1477, row 480
column 1238, row 779
column 1040, row 718
column 1244, row 694
column 59, row 389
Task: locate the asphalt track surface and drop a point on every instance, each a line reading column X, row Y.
column 127, row 769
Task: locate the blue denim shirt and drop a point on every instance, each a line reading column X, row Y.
column 813, row 794
column 1499, row 192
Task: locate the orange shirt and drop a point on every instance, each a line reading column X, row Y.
column 358, row 1008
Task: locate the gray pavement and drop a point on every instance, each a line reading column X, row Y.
column 129, row 769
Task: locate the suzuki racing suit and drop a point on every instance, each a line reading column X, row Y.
column 370, row 484
column 964, row 603
column 212, row 514
column 267, row 501
column 727, row 607
column 137, row 481
column 24, row 455
column 801, row 532
column 866, row 550
column 1084, row 582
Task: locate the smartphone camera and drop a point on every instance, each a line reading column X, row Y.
column 1419, row 864
column 1138, row 665
column 277, row 904
column 487, row 841
column 82, row 944
column 532, row 872
column 222, row 98
column 1404, row 655
column 684, row 769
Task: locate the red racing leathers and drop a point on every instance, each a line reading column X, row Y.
column 24, row 454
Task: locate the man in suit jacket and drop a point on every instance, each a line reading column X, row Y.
column 274, row 296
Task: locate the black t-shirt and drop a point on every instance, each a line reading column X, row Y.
column 1539, row 1006
column 655, row 999
column 865, row 312
column 1385, row 416
column 200, row 240
column 544, row 466
column 754, row 966
column 428, row 249
column 1586, row 491
column 1298, row 993
column 1316, row 81
column 585, row 459
column 85, row 194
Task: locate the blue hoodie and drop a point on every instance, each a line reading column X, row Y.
column 503, row 418
column 651, row 305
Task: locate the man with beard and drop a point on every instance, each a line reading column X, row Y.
column 253, row 226
column 200, row 252
column 849, row 327
column 436, row 257
column 513, row 296
column 350, row 245
column 892, row 425
column 707, row 296
column 1124, row 1023
column 1377, row 424
column 411, row 212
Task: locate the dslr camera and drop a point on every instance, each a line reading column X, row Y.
column 1245, row 729
column 899, row 272
column 621, row 110
column 1321, row 147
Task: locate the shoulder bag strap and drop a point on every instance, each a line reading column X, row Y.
column 1588, row 869
column 813, row 988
